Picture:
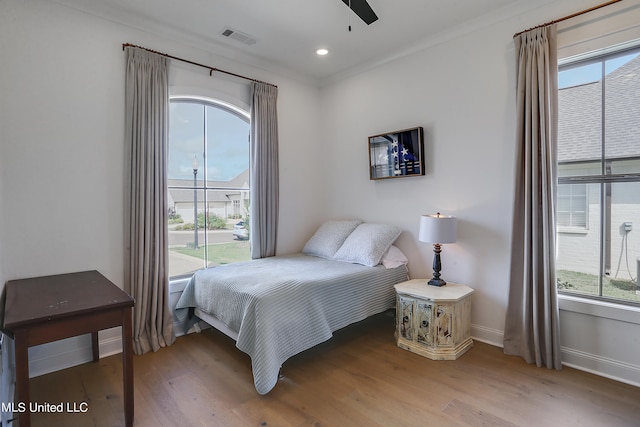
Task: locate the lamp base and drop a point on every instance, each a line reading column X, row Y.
column 436, row 282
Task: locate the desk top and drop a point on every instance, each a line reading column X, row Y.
column 41, row 299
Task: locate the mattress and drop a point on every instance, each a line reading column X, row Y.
column 280, row 306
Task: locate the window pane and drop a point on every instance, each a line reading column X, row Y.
column 621, row 282
column 228, row 229
column 207, row 199
column 579, row 118
column 597, row 253
column 227, row 145
column 186, row 240
column 578, row 250
column 579, row 75
column 228, row 155
column 186, row 139
column 622, row 119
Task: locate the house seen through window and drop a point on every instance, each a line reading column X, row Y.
column 598, row 198
column 208, row 185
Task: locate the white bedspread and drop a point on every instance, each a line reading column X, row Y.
column 283, row 305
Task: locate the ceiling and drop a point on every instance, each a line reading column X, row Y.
column 288, row 32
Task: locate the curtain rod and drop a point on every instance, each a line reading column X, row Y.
column 211, row 69
column 582, row 12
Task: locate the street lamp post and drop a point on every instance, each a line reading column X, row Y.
column 195, row 202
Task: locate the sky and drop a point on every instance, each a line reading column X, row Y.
column 227, row 145
column 591, row 72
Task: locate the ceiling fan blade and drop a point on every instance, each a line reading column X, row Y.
column 363, row 10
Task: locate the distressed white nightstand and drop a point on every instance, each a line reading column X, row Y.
column 432, row 321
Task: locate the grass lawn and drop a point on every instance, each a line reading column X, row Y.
column 220, row 253
column 574, row 282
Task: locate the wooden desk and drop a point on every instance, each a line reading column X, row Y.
column 51, row 308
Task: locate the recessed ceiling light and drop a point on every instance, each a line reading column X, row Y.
column 322, row 52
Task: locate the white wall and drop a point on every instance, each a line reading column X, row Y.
column 459, row 93
column 62, row 153
column 61, row 128
column 2, row 185
column 2, row 238
column 6, row 367
column 462, row 91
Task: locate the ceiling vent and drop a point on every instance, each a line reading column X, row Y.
column 238, row 36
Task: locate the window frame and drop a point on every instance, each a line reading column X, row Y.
column 605, row 179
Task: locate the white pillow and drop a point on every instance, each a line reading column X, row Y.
column 367, row 243
column 394, row 257
column 329, row 237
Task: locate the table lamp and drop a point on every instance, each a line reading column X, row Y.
column 437, row 229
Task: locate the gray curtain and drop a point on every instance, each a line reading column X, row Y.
column 532, row 329
column 264, row 170
column 146, row 133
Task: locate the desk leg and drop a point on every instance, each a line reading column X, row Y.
column 22, row 376
column 127, row 366
column 94, row 346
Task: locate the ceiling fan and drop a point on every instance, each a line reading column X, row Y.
column 362, row 9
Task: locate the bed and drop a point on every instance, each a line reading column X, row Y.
column 279, row 306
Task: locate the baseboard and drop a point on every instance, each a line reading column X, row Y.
column 487, row 335
column 57, row 355
column 179, row 329
column 598, row 365
column 620, row 371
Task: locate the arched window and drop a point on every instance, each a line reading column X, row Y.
column 208, row 185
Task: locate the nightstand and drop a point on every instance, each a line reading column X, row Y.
column 432, row 321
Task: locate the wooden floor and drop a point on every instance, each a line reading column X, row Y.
column 358, row 378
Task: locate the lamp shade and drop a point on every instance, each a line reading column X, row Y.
column 437, row 229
